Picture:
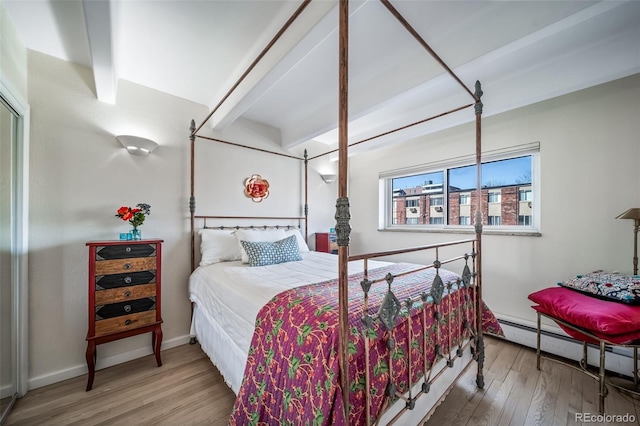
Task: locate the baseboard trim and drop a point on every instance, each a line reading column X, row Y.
column 516, row 330
column 79, row 370
column 557, row 342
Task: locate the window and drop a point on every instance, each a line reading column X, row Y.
column 493, row 220
column 525, row 195
column 494, row 196
column 394, row 211
column 509, row 192
column 524, row 220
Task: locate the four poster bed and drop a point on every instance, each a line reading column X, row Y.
column 313, row 338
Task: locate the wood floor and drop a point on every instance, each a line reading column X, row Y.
column 188, row 390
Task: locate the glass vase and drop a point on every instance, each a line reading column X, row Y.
column 136, row 234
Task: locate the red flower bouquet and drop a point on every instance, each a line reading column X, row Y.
column 134, row 215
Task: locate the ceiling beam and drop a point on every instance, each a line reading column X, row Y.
column 98, row 17
column 319, row 20
column 587, row 48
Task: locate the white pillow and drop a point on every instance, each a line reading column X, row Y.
column 218, row 245
column 252, row 235
column 302, row 244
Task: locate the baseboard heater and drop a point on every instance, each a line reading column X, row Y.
column 548, row 333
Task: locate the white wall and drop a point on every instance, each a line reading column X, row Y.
column 322, row 196
column 589, row 154
column 13, row 57
column 80, row 175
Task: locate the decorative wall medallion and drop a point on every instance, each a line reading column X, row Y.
column 256, row 188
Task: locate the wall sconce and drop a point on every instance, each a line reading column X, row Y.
column 136, row 145
column 635, row 215
column 328, row 178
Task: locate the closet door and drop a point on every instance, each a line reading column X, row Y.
column 8, row 336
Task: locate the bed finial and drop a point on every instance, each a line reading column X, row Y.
column 343, row 229
column 478, row 94
column 192, row 127
column 478, row 222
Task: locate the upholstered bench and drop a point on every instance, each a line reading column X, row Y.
column 590, row 319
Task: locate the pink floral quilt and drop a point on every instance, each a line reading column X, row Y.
column 292, row 376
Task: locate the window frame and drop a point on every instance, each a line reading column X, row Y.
column 520, row 192
column 496, row 194
column 433, row 219
column 524, row 219
column 435, row 197
column 386, row 192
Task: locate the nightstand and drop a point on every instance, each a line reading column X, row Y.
column 326, row 242
column 124, row 294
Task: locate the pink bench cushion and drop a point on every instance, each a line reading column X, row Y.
column 619, row 323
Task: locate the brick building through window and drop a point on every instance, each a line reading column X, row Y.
column 505, row 205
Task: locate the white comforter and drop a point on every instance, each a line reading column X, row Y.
column 230, row 295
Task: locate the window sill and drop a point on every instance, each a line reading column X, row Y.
column 468, row 231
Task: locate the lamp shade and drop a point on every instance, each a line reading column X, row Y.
column 137, row 145
column 633, row 213
column 328, row 178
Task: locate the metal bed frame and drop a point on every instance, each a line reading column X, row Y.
column 471, row 277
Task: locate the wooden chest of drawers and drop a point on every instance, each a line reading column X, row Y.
column 124, row 294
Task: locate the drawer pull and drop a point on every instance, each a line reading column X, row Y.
column 127, row 266
column 128, row 249
column 127, row 322
column 127, row 294
column 127, row 280
column 127, row 308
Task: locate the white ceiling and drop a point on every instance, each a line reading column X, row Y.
column 522, row 51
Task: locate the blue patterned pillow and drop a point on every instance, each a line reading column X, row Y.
column 613, row 287
column 262, row 253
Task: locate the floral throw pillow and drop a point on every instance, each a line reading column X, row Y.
column 610, row 286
